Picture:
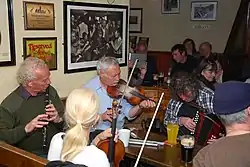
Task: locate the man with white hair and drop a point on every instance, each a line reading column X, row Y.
column 24, row 113
column 108, row 70
column 232, row 105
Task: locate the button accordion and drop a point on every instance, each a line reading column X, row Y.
column 208, row 126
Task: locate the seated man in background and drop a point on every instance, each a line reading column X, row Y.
column 23, row 113
column 183, row 61
column 108, row 71
column 232, row 104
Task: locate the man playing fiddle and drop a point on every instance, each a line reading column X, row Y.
column 108, row 71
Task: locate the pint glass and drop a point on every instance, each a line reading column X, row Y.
column 187, row 147
column 172, row 130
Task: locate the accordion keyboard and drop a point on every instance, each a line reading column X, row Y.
column 196, row 119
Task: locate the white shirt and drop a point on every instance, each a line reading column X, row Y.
column 90, row 156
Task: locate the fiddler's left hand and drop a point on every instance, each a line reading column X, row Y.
column 147, row 104
column 52, row 113
column 107, row 133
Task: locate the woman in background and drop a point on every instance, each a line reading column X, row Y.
column 73, row 146
column 206, row 73
column 191, row 48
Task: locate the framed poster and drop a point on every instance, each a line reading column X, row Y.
column 204, row 10
column 39, row 16
column 7, row 35
column 135, row 20
column 44, row 48
column 92, row 31
column 170, row 6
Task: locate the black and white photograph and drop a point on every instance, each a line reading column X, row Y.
column 204, row 10
column 170, row 6
column 135, row 20
column 7, row 34
column 92, row 31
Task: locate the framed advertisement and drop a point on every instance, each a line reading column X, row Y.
column 39, row 16
column 92, row 31
column 7, row 35
column 44, row 48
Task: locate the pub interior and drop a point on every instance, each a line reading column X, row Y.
column 92, row 45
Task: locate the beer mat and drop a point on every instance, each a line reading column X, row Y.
column 148, row 142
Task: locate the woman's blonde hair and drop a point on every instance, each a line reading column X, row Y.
column 80, row 115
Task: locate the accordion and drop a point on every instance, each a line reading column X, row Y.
column 208, row 126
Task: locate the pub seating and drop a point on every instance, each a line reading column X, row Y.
column 14, row 157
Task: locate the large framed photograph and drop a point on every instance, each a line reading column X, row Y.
column 7, row 37
column 38, row 16
column 204, row 10
column 135, row 20
column 170, row 6
column 44, row 48
column 92, row 31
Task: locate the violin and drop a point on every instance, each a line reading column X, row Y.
column 133, row 95
column 114, row 150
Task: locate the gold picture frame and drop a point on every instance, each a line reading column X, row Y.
column 44, row 48
column 39, row 16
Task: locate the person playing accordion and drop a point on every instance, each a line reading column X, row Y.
column 189, row 99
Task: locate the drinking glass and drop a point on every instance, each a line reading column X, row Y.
column 172, row 130
column 187, row 147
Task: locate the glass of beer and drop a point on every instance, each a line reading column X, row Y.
column 187, row 147
column 172, row 130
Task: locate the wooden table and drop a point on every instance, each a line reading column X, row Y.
column 164, row 156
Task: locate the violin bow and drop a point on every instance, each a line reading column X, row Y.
column 149, row 129
column 129, row 78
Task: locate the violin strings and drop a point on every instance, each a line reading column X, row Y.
column 149, row 129
column 130, row 76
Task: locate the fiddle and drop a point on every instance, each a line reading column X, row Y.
column 133, row 95
column 114, row 150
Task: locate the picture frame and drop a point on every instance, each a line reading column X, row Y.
column 38, row 16
column 44, row 48
column 135, row 20
column 103, row 31
column 170, row 6
column 204, row 10
column 7, row 34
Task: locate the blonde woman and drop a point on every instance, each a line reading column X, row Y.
column 80, row 116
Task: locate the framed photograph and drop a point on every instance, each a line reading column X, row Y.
column 39, row 16
column 135, row 20
column 170, row 6
column 204, row 10
column 92, row 31
column 44, row 48
column 7, row 35
column 132, row 43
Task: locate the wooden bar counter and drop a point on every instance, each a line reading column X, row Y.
column 163, row 156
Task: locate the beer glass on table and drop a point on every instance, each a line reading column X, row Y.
column 187, row 147
column 172, row 130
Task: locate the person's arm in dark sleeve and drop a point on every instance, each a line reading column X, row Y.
column 10, row 133
column 57, row 102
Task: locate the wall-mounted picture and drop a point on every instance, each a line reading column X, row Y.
column 44, row 48
column 170, row 6
column 132, row 43
column 39, row 16
column 203, row 10
column 92, row 31
column 7, row 38
column 135, row 20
